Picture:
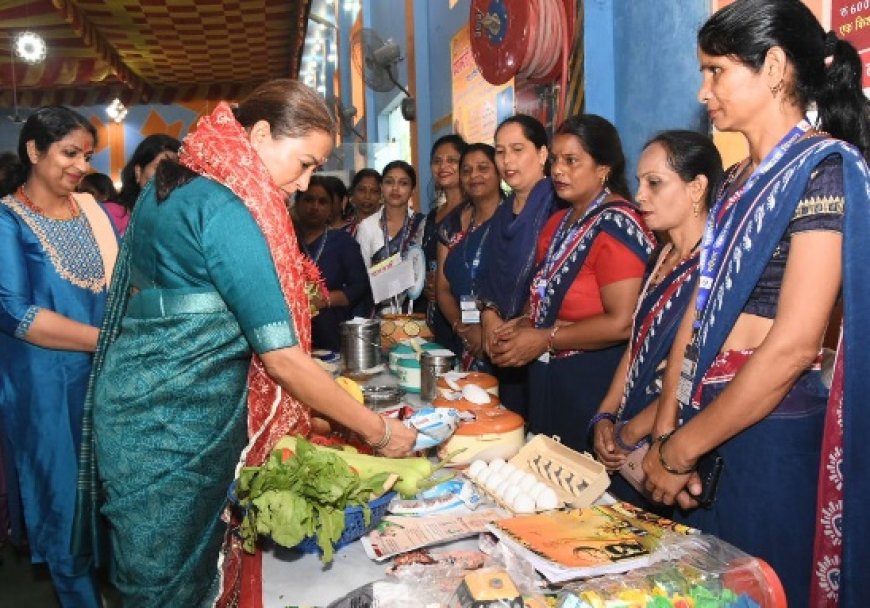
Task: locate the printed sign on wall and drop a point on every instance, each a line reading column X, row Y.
column 478, row 106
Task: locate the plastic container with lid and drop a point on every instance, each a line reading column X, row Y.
column 485, row 433
column 454, row 381
column 455, row 399
column 378, row 397
column 408, row 372
column 698, row 570
column 399, row 352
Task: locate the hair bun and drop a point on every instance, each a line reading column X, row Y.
column 831, row 41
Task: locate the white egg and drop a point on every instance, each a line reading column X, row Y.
column 496, row 464
column 516, row 476
column 452, row 383
column 536, row 490
column 476, row 394
column 501, row 488
column 493, row 481
column 510, row 494
column 483, row 476
column 475, row 468
column 527, row 482
column 523, row 504
column 506, row 469
column 547, row 500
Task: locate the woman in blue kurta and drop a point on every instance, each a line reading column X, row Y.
column 337, row 256
column 509, row 257
column 676, row 173
column 460, row 251
column 787, row 237
column 591, row 259
column 207, row 327
column 57, row 255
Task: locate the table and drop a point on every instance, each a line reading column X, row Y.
column 291, row 578
column 297, row 579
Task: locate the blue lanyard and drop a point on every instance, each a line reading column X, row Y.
column 562, row 237
column 475, row 263
column 316, row 258
column 713, row 242
column 402, row 234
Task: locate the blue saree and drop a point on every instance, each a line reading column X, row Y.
column 509, row 257
column 509, row 262
column 660, row 309
column 466, row 250
column 557, row 407
column 761, row 216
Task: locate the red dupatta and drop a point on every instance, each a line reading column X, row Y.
column 219, row 149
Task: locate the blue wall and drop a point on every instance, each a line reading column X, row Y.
column 640, row 65
column 133, row 124
column 655, row 74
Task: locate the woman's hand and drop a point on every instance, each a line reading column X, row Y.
column 508, row 329
column 608, row 453
column 472, row 338
column 666, row 487
column 524, row 346
column 489, row 324
column 429, row 287
column 401, row 440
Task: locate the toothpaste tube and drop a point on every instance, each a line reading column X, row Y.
column 438, row 499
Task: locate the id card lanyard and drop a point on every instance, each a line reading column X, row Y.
column 562, row 240
column 470, row 315
column 717, row 233
column 403, row 236
column 316, row 258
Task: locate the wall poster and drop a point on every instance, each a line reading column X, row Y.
column 478, row 106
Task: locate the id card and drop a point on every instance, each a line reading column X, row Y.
column 470, row 315
column 687, row 376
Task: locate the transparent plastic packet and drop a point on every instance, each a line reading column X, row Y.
column 701, row 568
column 522, row 573
column 388, row 594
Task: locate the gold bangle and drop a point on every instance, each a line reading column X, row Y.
column 388, row 434
column 663, row 439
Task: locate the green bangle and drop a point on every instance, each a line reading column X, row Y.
column 663, row 439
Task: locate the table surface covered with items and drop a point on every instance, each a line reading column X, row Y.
column 484, row 517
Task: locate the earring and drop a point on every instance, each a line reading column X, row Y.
column 775, row 90
column 696, row 208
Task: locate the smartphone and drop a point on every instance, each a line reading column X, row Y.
column 709, row 469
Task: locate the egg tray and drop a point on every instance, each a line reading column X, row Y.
column 501, row 503
column 578, row 479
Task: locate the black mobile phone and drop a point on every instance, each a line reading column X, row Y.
column 709, row 469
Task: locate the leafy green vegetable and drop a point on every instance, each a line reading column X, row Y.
column 302, row 496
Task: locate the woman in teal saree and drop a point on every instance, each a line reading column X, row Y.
column 207, row 329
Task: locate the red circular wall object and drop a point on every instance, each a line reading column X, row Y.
column 499, row 32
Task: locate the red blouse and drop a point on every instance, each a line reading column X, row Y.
column 608, row 261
